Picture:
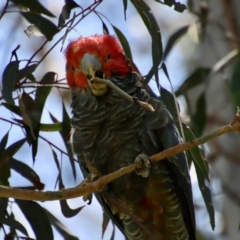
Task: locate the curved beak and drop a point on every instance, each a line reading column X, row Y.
column 90, row 64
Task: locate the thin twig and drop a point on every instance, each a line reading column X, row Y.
column 89, row 187
column 131, row 99
column 4, row 9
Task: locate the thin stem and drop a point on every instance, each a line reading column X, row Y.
column 131, row 99
column 4, row 9
column 51, row 144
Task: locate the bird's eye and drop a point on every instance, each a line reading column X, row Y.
column 108, row 57
column 73, row 68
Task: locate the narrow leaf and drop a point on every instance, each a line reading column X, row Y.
column 12, row 223
column 173, row 39
column 65, row 233
column 153, row 28
column 198, row 76
column 24, row 72
column 9, row 79
column 52, row 127
column 37, row 218
column 30, row 113
column 66, row 11
column 56, row 161
column 206, row 193
column 46, row 27
column 113, row 233
column 34, row 6
column 26, row 172
column 43, row 91
column 65, row 134
column 3, row 143
column 105, row 28
column 125, row 8
column 11, row 150
column 168, row 98
column 235, row 84
column 199, row 118
column 196, row 153
column 13, row 108
column 66, row 210
column 105, row 222
column 124, row 43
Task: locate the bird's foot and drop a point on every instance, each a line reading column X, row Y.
column 144, row 165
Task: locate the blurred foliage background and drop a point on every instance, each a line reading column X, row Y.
column 197, row 42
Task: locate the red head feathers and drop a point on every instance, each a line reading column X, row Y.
column 105, row 48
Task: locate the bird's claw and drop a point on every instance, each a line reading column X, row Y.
column 144, row 165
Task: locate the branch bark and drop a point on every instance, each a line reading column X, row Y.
column 89, row 187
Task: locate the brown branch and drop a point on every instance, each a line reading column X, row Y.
column 89, row 187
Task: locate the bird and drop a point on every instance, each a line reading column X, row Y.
column 108, row 133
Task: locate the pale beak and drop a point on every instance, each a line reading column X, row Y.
column 89, row 65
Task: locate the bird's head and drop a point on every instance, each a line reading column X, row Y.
column 96, row 56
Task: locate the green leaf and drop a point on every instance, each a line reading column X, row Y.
column 43, row 91
column 12, row 223
column 173, row 39
column 235, row 84
column 105, row 28
column 196, row 153
column 124, row 43
column 37, row 218
column 113, row 233
column 13, row 108
column 56, row 160
column 26, row 172
column 24, row 72
column 151, row 23
column 31, row 117
column 199, row 118
column 65, row 134
column 34, row 6
column 3, row 143
column 198, row 76
column 105, row 222
column 66, row 210
column 66, row 11
column 51, row 127
column 9, row 79
column 206, row 193
column 125, row 8
column 66, row 234
column 168, row 99
column 11, row 150
column 30, row 113
column 46, row 27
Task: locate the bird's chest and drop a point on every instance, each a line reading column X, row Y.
column 111, row 136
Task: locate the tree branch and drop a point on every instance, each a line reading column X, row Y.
column 88, row 187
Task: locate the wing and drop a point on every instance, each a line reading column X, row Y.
column 165, row 131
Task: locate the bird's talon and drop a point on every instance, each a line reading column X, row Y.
column 144, row 163
column 88, row 198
